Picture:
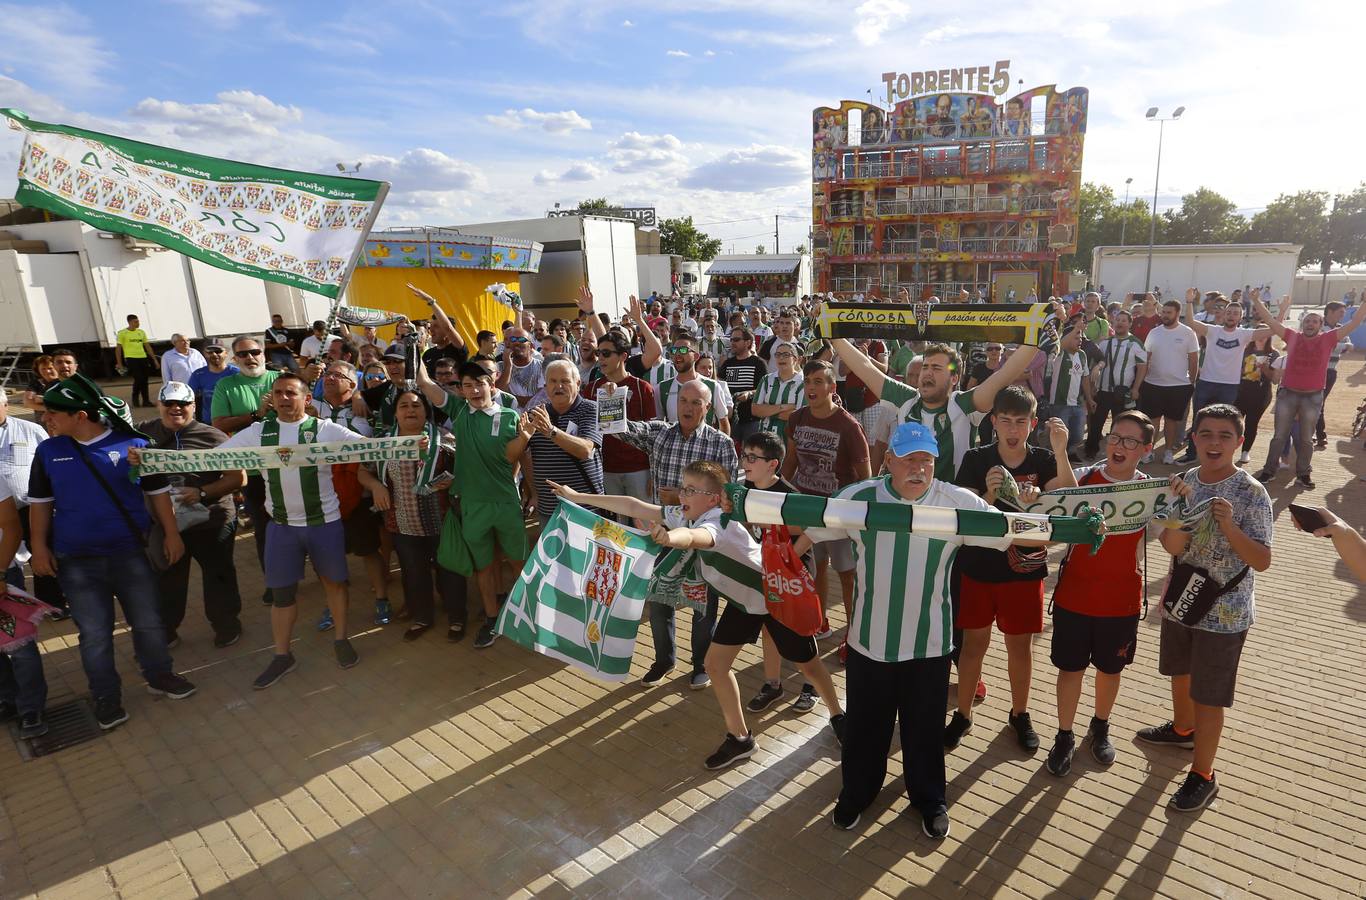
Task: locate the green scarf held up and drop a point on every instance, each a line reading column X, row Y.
column 80, row 394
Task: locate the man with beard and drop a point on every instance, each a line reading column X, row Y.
column 1300, row 396
column 521, row 374
column 240, row 401
column 949, row 413
column 742, row 373
column 1173, row 367
column 683, row 353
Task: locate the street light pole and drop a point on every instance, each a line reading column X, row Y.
column 1152, row 218
column 1124, row 216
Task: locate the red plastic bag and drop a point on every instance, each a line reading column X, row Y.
column 789, row 590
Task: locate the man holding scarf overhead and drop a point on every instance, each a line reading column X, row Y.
column 80, row 481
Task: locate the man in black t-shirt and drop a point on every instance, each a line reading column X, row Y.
column 1005, row 586
column 742, row 373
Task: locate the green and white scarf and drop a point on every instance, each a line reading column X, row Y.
column 361, row 450
column 427, row 473
column 809, row 511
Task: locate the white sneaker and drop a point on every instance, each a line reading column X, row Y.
column 1147, row 458
column 1168, row 459
column 1282, row 465
column 1243, row 458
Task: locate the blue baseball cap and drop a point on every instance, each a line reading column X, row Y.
column 912, row 437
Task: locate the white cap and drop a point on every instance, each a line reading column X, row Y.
column 176, row 392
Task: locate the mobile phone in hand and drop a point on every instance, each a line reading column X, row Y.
column 1307, row 517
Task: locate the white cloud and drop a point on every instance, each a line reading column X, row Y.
column 634, row 152
column 53, row 45
column 422, row 170
column 682, row 53
column 224, row 12
column 627, row 23
column 580, row 171
column 709, row 53
column 874, row 18
column 555, row 122
column 235, row 111
column 754, row 168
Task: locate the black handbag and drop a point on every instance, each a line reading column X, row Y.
column 1191, row 592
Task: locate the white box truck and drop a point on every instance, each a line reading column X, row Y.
column 1210, row 267
column 655, row 272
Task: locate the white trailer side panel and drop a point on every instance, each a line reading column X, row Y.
column 43, row 300
column 229, row 303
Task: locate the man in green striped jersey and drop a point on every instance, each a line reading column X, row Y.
column 901, row 633
column 305, row 521
column 951, row 414
column 781, row 392
column 730, row 562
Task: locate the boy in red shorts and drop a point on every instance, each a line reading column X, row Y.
column 1006, row 586
column 1097, row 602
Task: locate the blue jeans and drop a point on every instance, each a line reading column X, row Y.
column 1293, row 407
column 21, row 672
column 1207, row 392
column 91, row 583
column 662, row 628
column 1074, row 417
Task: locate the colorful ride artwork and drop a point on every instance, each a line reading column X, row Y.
column 947, row 192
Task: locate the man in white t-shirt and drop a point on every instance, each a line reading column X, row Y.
column 1222, row 367
column 1173, row 367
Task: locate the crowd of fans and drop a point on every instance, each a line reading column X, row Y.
column 715, row 390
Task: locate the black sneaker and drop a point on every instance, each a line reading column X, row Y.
column 415, row 631
column 1060, row 757
column 1024, row 732
column 32, row 725
column 1306, row 481
column 845, row 819
column 109, row 713
column 1264, row 476
column 227, row 638
column 345, row 653
column 486, row 634
column 456, row 632
column 1166, row 735
column 732, row 750
column 268, row 597
column 767, row 696
column 806, row 700
column 279, row 667
column 935, row 826
column 169, row 684
column 958, row 726
column 8, row 711
column 1195, row 793
column 839, row 726
column 1102, row 751
column 656, row 674
column 172, row 641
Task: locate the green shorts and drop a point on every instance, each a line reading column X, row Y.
column 485, row 525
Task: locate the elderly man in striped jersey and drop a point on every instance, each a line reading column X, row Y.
column 901, row 633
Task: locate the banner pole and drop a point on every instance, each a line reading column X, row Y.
column 351, row 265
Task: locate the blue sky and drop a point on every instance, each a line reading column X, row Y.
column 483, row 111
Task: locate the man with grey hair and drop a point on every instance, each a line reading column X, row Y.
column 565, row 445
column 181, row 361
column 671, row 447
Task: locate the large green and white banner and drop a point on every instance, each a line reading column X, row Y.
column 296, row 228
column 582, row 593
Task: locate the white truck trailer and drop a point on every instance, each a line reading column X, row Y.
column 1209, row 267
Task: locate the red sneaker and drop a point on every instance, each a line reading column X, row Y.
column 844, row 651
column 980, row 694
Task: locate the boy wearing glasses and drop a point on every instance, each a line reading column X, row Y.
column 625, row 470
column 731, row 563
column 1098, row 600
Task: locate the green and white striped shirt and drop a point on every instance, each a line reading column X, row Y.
column 772, row 390
column 953, row 424
column 902, row 608
column 734, row 565
column 718, row 348
column 1063, row 378
column 302, row 495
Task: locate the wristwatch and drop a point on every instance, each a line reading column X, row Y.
column 202, row 496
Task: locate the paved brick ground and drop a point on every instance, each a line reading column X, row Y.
column 434, row 770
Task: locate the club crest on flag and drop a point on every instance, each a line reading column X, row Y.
column 603, row 579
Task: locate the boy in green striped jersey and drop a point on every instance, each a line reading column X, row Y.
column 730, row 562
column 900, row 634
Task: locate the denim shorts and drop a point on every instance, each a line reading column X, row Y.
column 288, row 545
